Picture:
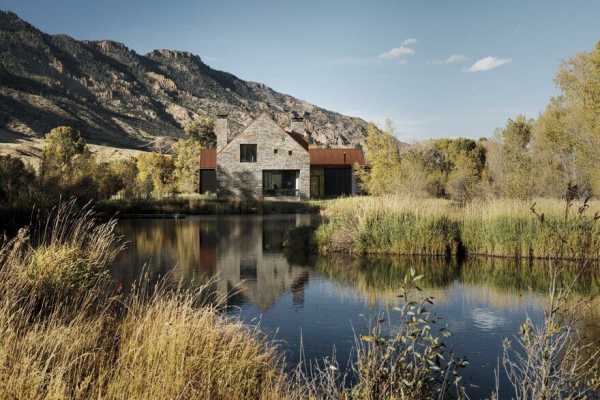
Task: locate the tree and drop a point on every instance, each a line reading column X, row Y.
column 202, row 131
column 64, row 153
column 155, row 174
column 17, row 183
column 464, row 178
column 423, row 171
column 554, row 151
column 384, row 163
column 187, row 162
column 116, row 176
column 579, row 81
column 126, row 171
column 67, row 167
column 515, row 177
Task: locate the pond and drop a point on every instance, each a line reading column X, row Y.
column 322, row 303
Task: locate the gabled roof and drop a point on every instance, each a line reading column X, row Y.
column 299, row 139
column 264, row 116
column 320, row 156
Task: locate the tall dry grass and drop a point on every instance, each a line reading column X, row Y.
column 506, row 228
column 172, row 348
column 66, row 334
column 388, row 225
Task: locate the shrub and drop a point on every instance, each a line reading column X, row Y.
column 17, row 183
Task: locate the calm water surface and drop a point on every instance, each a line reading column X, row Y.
column 322, row 302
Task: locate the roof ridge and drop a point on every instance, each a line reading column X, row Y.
column 265, row 114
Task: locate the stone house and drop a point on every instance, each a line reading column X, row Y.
column 265, row 161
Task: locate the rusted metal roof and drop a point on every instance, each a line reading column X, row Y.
column 336, row 156
column 208, row 159
column 324, row 157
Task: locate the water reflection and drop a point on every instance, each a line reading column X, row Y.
column 323, row 302
column 244, row 253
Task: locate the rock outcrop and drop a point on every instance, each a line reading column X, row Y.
column 117, row 97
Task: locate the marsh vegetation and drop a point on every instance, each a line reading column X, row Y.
column 504, row 228
column 70, row 331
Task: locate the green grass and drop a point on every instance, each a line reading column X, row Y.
column 505, row 228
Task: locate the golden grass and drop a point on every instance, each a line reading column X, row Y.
column 172, row 349
column 64, row 334
column 501, row 227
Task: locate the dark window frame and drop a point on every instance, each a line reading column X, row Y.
column 246, row 153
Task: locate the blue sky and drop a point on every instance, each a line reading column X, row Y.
column 409, row 61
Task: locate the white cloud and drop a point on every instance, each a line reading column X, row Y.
column 488, row 63
column 453, row 59
column 400, row 53
column 456, row 59
column 397, row 52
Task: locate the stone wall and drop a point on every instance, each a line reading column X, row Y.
column 244, row 179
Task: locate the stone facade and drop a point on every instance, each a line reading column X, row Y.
column 275, row 150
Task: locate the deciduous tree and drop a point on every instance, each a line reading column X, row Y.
column 187, row 162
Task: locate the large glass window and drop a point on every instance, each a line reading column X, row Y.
column 280, row 182
column 247, row 153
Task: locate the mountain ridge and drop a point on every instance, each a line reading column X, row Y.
column 118, row 97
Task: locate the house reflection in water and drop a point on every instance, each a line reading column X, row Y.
column 249, row 258
column 244, row 253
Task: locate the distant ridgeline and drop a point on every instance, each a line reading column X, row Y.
column 118, row 97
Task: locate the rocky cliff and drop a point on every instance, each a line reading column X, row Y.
column 119, row 98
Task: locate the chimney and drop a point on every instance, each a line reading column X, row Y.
column 297, row 124
column 221, row 131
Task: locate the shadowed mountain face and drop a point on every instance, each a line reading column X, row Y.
column 118, row 97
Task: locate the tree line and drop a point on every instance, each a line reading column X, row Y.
column 69, row 169
column 524, row 159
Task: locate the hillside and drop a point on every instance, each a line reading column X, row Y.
column 122, row 99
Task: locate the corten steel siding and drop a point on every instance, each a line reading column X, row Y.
column 244, row 180
column 207, row 173
column 208, row 159
column 337, row 157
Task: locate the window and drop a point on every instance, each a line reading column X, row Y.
column 290, row 152
column 275, row 151
column 247, row 153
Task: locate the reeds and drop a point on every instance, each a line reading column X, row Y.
column 388, row 225
column 65, row 333
column 505, row 228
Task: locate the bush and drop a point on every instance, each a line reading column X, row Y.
column 17, row 183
